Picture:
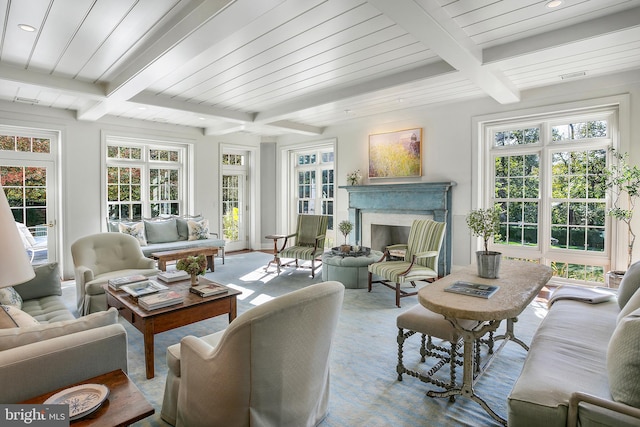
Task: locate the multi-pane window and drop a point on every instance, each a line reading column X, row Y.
column 25, row 186
column 143, row 180
column 547, row 178
column 315, row 183
column 25, row 144
column 26, row 191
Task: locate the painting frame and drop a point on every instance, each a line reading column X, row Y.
column 396, row 154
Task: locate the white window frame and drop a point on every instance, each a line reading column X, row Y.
column 145, row 144
column 617, row 106
column 289, row 200
column 52, row 160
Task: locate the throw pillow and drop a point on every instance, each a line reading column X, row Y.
column 11, row 338
column 183, row 228
column 136, row 230
column 9, row 296
column 623, row 364
column 46, row 283
column 20, row 318
column 161, row 231
column 632, row 305
column 198, row 230
column 6, row 321
column 629, row 284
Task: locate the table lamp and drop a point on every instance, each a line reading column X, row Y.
column 15, row 267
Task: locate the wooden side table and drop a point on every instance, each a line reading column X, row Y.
column 124, row 406
column 275, row 238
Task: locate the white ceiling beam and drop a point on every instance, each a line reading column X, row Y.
column 607, row 25
column 328, row 96
column 295, row 127
column 238, row 120
column 223, row 129
column 210, row 20
column 233, row 116
column 429, row 29
column 46, row 81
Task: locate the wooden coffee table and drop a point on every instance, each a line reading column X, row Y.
column 164, row 256
column 193, row 309
column 124, row 406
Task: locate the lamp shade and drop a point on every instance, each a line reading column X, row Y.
column 15, row 267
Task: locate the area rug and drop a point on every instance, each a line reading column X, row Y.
column 364, row 386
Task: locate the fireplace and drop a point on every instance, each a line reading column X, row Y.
column 383, row 214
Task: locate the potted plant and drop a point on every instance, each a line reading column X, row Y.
column 623, row 180
column 194, row 265
column 345, row 228
column 485, row 223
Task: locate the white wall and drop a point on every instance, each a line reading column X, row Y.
column 448, row 142
column 80, row 165
column 447, row 155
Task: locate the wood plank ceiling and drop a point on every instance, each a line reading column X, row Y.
column 272, row 67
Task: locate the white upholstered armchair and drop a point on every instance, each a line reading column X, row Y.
column 269, row 367
column 100, row 257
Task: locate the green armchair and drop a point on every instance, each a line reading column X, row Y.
column 308, row 242
column 420, row 259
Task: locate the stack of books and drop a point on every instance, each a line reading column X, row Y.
column 160, row 300
column 208, row 289
column 173, row 276
column 117, row 282
column 139, row 289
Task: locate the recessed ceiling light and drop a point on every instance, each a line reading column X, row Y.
column 142, row 108
column 26, row 27
column 553, row 4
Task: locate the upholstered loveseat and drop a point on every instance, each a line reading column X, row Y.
column 59, row 349
column 169, row 233
column 583, row 365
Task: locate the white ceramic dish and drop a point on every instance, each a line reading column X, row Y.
column 82, row 399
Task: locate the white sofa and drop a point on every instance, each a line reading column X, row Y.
column 60, row 350
column 583, row 365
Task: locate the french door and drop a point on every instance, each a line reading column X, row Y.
column 234, row 200
column 29, row 187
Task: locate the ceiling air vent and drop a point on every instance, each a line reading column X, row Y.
column 25, row 100
column 573, row 75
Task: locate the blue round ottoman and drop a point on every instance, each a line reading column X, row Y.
column 351, row 271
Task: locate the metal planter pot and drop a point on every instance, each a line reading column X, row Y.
column 613, row 278
column 488, row 264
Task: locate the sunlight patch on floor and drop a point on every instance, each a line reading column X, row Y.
column 258, row 275
column 246, row 292
column 261, row 299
